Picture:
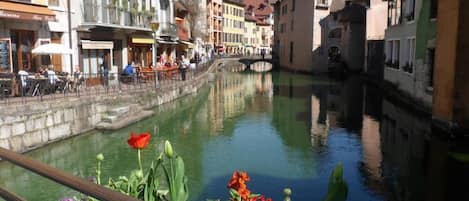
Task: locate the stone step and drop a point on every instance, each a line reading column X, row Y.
column 118, row 111
column 109, row 118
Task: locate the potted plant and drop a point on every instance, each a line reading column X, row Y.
column 114, row 13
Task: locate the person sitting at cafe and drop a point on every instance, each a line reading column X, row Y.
column 129, row 69
column 53, row 79
column 23, row 77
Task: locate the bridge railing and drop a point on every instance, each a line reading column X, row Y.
column 59, row 176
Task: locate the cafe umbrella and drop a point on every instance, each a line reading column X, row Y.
column 51, row 48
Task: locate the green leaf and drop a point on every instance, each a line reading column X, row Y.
column 337, row 189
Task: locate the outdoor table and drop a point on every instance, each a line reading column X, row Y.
column 168, row 72
column 147, row 74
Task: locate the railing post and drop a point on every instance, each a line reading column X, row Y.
column 9, row 196
column 63, row 177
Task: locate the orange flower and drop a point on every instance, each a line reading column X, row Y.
column 244, row 176
column 138, row 141
column 244, row 193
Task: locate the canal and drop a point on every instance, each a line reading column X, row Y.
column 285, row 130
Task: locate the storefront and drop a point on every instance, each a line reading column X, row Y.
column 139, row 50
column 24, row 27
column 92, row 56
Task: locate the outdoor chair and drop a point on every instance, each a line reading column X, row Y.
column 6, row 84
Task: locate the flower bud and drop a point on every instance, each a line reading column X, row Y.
column 287, row 191
column 168, row 149
column 139, row 174
column 100, row 157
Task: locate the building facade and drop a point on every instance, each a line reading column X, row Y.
column 233, row 26
column 409, row 63
column 262, row 11
column 26, row 25
column 298, row 34
column 376, row 16
column 250, row 35
column 214, row 24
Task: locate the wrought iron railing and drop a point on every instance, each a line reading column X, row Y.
column 22, row 89
column 168, row 29
column 96, row 13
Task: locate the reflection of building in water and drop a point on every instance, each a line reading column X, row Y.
column 319, row 122
column 371, row 153
column 417, row 165
column 261, row 66
column 227, row 98
column 264, row 84
column 215, row 102
column 233, row 95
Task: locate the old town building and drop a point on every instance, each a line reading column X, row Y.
column 214, row 24
column 298, row 34
column 233, row 26
column 26, row 25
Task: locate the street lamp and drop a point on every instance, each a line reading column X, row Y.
column 154, row 27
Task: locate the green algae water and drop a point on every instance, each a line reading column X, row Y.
column 284, row 129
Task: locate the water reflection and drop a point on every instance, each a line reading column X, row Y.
column 286, row 130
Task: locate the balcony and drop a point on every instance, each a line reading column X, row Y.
column 110, row 15
column 168, row 29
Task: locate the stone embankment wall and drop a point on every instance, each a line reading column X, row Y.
column 26, row 127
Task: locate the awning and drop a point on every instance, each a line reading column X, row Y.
column 96, row 45
column 189, row 44
column 51, row 48
column 167, row 42
column 57, row 27
column 143, row 40
column 25, row 11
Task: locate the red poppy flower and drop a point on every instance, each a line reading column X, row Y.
column 138, row 141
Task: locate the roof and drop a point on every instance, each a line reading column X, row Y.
column 259, row 7
column 235, row 2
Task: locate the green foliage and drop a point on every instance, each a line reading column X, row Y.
column 176, row 179
column 337, row 189
column 147, row 186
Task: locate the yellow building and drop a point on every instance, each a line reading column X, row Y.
column 233, row 26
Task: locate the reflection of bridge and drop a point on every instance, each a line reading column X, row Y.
column 248, row 61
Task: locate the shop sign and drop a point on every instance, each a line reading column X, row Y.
column 25, row 16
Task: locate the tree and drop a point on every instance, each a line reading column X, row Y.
column 197, row 17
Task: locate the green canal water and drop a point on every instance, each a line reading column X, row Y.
column 285, row 130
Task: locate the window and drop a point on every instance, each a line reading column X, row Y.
column 409, row 65
column 291, row 52
column 54, row 3
column 431, row 65
column 394, row 12
column 282, row 28
column 293, row 5
column 434, row 9
column 410, row 10
column 322, row 4
column 392, row 54
column 396, row 53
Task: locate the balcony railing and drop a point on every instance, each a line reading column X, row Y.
column 113, row 15
column 168, row 29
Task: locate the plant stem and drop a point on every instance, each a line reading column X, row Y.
column 98, row 172
column 139, row 160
